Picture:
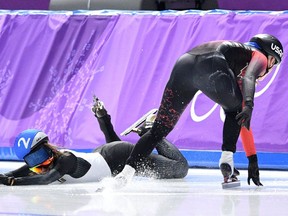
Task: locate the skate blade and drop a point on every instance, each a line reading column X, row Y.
column 230, row 184
column 138, row 122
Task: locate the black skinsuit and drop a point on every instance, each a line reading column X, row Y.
column 215, row 68
column 168, row 163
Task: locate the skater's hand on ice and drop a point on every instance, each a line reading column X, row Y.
column 111, row 184
column 125, row 176
column 119, row 181
column 244, row 117
column 5, row 180
column 253, row 170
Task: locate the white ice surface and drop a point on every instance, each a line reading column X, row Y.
column 200, row 193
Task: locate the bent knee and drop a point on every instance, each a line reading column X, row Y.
column 182, row 170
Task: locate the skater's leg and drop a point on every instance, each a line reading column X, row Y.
column 104, row 120
column 176, row 96
column 231, row 130
column 170, row 162
column 224, row 90
column 168, row 150
column 159, row 166
column 107, row 129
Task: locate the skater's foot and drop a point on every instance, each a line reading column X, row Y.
column 226, row 164
column 98, row 108
column 236, row 172
column 138, row 127
column 147, row 125
column 230, row 183
column 226, row 170
column 228, row 176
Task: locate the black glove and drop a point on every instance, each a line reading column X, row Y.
column 6, row 180
column 245, row 115
column 253, row 170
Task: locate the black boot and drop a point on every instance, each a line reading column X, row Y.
column 98, row 108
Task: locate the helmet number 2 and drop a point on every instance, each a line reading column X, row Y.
column 24, row 141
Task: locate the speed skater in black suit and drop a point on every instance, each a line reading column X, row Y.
column 46, row 163
column 226, row 72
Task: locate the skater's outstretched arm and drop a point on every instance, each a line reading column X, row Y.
column 21, row 171
column 250, row 150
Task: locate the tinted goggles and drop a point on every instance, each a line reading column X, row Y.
column 43, row 166
column 38, row 156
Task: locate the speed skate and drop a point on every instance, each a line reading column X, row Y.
column 230, row 181
column 138, row 122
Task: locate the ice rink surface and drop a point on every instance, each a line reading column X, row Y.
column 200, row 193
